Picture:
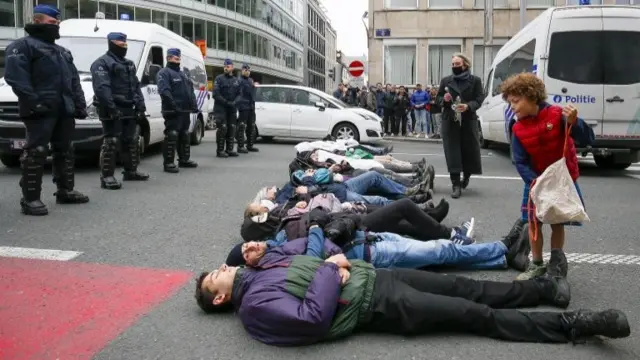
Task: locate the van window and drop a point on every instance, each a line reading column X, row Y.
column 155, row 57
column 518, row 62
column 195, row 71
column 575, row 56
column 621, row 51
column 86, row 50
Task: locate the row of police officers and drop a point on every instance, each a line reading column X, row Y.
column 47, row 84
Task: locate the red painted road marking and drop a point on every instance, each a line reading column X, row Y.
column 71, row 310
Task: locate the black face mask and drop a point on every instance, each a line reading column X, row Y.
column 457, row 70
column 45, row 32
column 118, row 51
column 174, row 65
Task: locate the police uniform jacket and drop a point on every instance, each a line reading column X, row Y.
column 247, row 94
column 176, row 90
column 116, row 85
column 225, row 93
column 43, row 73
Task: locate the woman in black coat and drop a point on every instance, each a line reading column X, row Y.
column 459, row 130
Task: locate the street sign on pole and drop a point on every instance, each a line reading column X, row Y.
column 356, row 68
column 585, row 2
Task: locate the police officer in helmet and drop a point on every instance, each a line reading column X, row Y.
column 246, row 112
column 225, row 94
column 178, row 103
column 46, row 82
column 120, row 105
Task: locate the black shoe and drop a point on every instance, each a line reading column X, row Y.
column 252, row 149
column 243, row 151
column 171, row 168
column 586, row 323
column 440, row 212
column 431, row 173
column 465, row 181
column 231, row 153
column 419, row 198
column 557, row 265
column 515, row 231
column 33, row 208
column 519, row 249
column 134, row 176
column 110, row 183
column 455, row 194
column 222, row 154
column 554, row 291
column 188, row 164
column 70, row 197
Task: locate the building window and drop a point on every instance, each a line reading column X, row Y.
column 212, row 35
column 577, row 2
column 69, row 8
column 540, row 3
column 159, row 17
column 19, row 14
column 143, row 14
column 124, row 9
column 231, row 39
column 627, row 2
column 445, row 3
column 199, row 30
column 401, row 4
column 222, row 37
column 173, row 23
column 88, row 9
column 187, row 28
column 477, row 62
column 110, row 11
column 479, row 4
column 400, row 64
column 440, row 61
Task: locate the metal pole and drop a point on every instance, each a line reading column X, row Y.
column 523, row 13
column 488, row 38
column 28, row 11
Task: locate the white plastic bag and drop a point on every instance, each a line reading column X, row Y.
column 555, row 196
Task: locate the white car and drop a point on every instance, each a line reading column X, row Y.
column 302, row 112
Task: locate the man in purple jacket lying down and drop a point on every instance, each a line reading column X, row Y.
column 292, row 299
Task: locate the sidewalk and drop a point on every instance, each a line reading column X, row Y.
column 411, row 139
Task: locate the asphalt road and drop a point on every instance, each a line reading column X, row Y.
column 189, row 221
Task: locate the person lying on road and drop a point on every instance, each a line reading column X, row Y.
column 290, row 300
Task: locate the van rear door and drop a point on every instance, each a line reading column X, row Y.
column 621, row 72
column 574, row 66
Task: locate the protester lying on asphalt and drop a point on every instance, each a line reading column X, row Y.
column 289, row 299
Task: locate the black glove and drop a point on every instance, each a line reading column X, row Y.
column 141, row 115
column 319, row 217
column 40, row 110
column 115, row 114
column 80, row 114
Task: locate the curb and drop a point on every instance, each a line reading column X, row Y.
column 409, row 139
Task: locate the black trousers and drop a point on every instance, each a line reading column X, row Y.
column 56, row 130
column 226, row 122
column 245, row 134
column 405, row 218
column 412, row 302
column 388, row 121
column 178, row 122
column 400, row 124
column 124, row 129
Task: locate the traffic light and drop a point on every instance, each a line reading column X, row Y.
column 332, row 74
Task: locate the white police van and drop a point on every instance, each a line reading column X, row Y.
column 586, row 56
column 147, row 48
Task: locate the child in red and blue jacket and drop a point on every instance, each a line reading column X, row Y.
column 537, row 141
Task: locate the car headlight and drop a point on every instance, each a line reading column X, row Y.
column 92, row 112
column 367, row 117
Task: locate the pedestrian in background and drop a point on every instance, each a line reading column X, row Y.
column 380, row 101
column 402, row 110
column 460, row 95
column 435, row 112
column 389, row 102
column 371, row 100
column 419, row 101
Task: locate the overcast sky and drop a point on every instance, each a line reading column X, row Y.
column 346, row 18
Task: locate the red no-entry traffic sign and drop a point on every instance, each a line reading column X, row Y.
column 356, row 68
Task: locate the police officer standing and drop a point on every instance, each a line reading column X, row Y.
column 178, row 103
column 246, row 112
column 46, row 82
column 226, row 89
column 120, row 104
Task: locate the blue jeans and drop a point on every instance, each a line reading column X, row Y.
column 421, row 120
column 397, row 251
column 380, row 111
column 374, row 181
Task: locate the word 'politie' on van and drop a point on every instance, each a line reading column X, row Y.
column 583, row 55
column 147, row 48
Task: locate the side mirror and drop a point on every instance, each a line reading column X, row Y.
column 320, row 105
column 153, row 72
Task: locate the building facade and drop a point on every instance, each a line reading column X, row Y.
column 267, row 34
column 317, row 24
column 331, row 60
column 412, row 41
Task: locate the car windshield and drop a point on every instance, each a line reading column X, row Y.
column 86, row 50
column 340, row 102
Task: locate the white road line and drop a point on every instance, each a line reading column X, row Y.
column 412, row 154
column 38, row 254
column 487, row 177
column 605, row 259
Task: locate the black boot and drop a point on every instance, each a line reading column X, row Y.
column 31, row 181
column 221, row 133
column 429, row 176
column 557, row 265
column 108, row 164
column 169, row 152
column 456, row 186
column 419, row 198
column 251, row 137
column 64, row 178
column 240, row 133
column 439, row 212
column 130, row 160
column 230, row 141
column 586, row 323
column 519, row 249
column 184, row 152
column 554, row 292
column 465, row 181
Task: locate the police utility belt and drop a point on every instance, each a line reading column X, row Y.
column 368, row 240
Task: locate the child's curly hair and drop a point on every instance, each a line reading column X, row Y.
column 525, row 85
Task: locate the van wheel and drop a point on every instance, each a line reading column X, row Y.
column 197, row 134
column 10, row 161
column 609, row 163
